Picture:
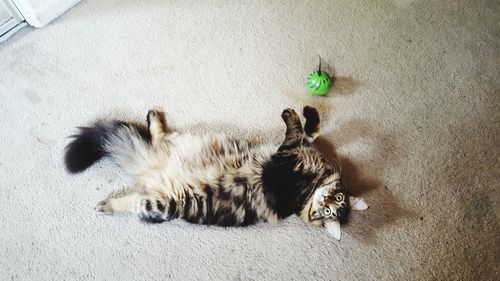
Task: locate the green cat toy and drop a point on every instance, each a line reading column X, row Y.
column 319, row 82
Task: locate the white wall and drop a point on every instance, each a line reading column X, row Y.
column 40, row 12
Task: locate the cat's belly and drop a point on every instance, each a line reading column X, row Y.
column 219, row 171
column 204, row 157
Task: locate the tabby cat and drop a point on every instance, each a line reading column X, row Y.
column 214, row 179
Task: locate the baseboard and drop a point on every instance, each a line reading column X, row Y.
column 39, row 13
column 13, row 30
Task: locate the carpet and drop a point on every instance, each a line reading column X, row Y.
column 413, row 116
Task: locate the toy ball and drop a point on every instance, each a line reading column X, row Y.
column 319, row 82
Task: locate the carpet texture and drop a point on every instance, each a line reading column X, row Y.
column 413, row 116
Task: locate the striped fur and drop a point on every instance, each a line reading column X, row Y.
column 210, row 178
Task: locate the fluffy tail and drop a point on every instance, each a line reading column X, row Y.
column 125, row 143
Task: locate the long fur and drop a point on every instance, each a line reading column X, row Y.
column 93, row 143
column 209, row 178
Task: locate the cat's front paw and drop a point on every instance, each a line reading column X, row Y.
column 289, row 115
column 311, row 113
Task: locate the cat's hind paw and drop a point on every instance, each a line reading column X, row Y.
column 104, row 207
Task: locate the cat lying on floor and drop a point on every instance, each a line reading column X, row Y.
column 213, row 179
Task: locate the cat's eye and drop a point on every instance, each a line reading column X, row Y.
column 339, row 197
column 327, row 212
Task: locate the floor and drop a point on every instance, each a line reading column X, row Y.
column 413, row 115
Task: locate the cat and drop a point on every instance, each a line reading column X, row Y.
column 214, row 179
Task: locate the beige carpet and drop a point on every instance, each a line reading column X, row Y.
column 414, row 116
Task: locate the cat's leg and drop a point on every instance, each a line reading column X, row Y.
column 124, row 200
column 152, row 208
column 294, row 134
column 311, row 128
column 193, row 208
column 155, row 209
column 157, row 125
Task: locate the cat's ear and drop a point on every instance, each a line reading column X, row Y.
column 333, row 227
column 357, row 203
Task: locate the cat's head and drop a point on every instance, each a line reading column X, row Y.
column 330, row 204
